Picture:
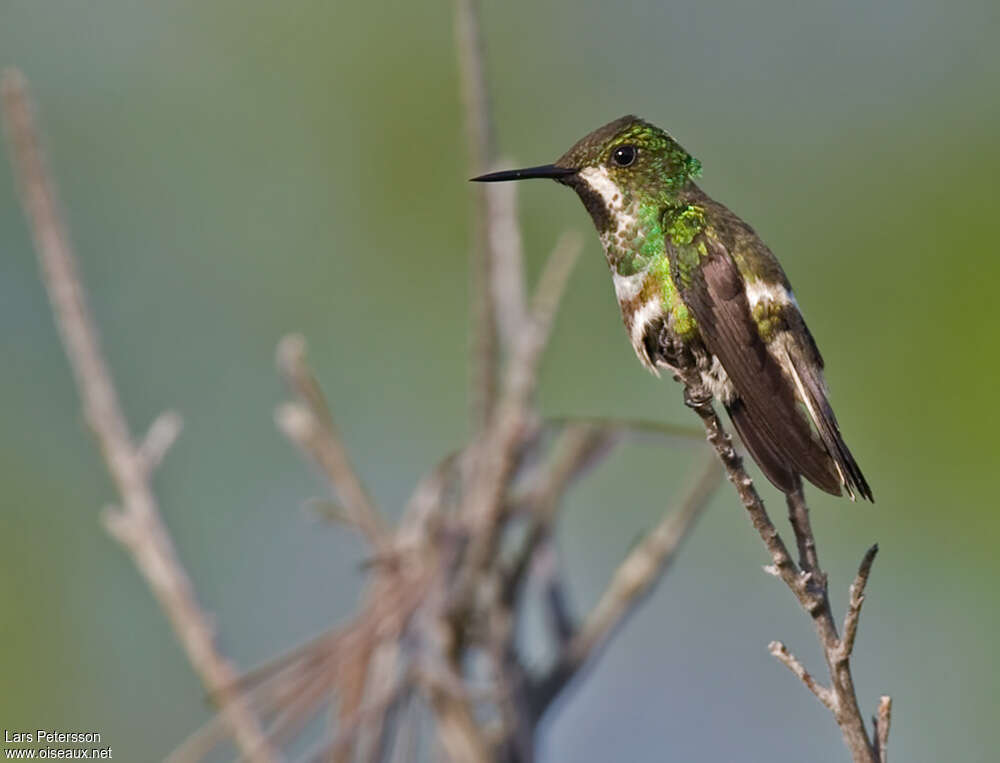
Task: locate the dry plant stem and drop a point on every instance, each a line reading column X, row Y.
column 160, row 437
column 783, row 567
column 646, row 563
column 882, row 721
column 294, row 713
column 790, row 661
column 491, row 461
column 856, row 598
column 370, row 668
column 341, row 744
column 352, row 680
column 495, row 454
column 386, row 677
column 633, row 579
column 561, row 623
column 808, row 583
column 137, row 525
column 479, row 136
column 406, row 744
column 660, row 429
column 507, row 276
column 199, row 744
column 798, row 517
column 309, row 425
column 579, row 446
column 457, row 730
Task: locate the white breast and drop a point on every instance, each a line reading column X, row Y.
column 628, row 287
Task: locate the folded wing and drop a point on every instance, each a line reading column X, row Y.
column 779, row 396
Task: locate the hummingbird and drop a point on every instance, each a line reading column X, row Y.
column 701, row 293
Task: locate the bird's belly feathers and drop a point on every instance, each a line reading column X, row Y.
column 663, row 333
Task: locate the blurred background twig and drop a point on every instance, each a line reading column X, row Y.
column 137, row 524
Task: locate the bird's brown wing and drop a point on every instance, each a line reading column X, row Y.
column 765, row 410
column 804, row 360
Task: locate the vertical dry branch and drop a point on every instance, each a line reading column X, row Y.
column 881, row 722
column 479, row 136
column 137, row 524
column 507, row 272
column 580, row 445
column 495, row 455
column 309, row 424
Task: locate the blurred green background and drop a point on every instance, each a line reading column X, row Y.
column 233, row 171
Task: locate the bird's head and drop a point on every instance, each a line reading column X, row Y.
column 613, row 167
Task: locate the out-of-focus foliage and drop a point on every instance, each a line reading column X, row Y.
column 235, row 170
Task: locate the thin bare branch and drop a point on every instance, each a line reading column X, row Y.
column 507, row 277
column 198, row 745
column 426, row 504
column 855, row 600
column 882, row 722
column 560, row 621
column 699, row 401
column 310, row 695
column 160, row 437
column 633, row 579
column 138, row 524
column 369, row 716
column 309, row 425
column 351, row 681
column 645, row 564
column 631, row 426
column 823, row 694
column 382, row 691
column 798, row 517
column 459, row 734
column 548, row 294
column 475, row 94
column 406, row 746
column 479, row 137
column 495, row 455
column 808, row 584
column 579, row 446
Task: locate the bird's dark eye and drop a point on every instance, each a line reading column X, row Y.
column 623, row 156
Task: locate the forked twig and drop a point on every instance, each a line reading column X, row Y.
column 633, row 579
column 807, row 582
column 137, row 525
column 308, row 423
column 855, row 599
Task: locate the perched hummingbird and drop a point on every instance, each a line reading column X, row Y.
column 699, row 290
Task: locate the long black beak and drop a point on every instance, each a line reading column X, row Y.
column 542, row 171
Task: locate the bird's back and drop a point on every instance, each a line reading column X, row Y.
column 749, row 319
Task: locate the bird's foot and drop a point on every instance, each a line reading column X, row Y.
column 696, row 397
